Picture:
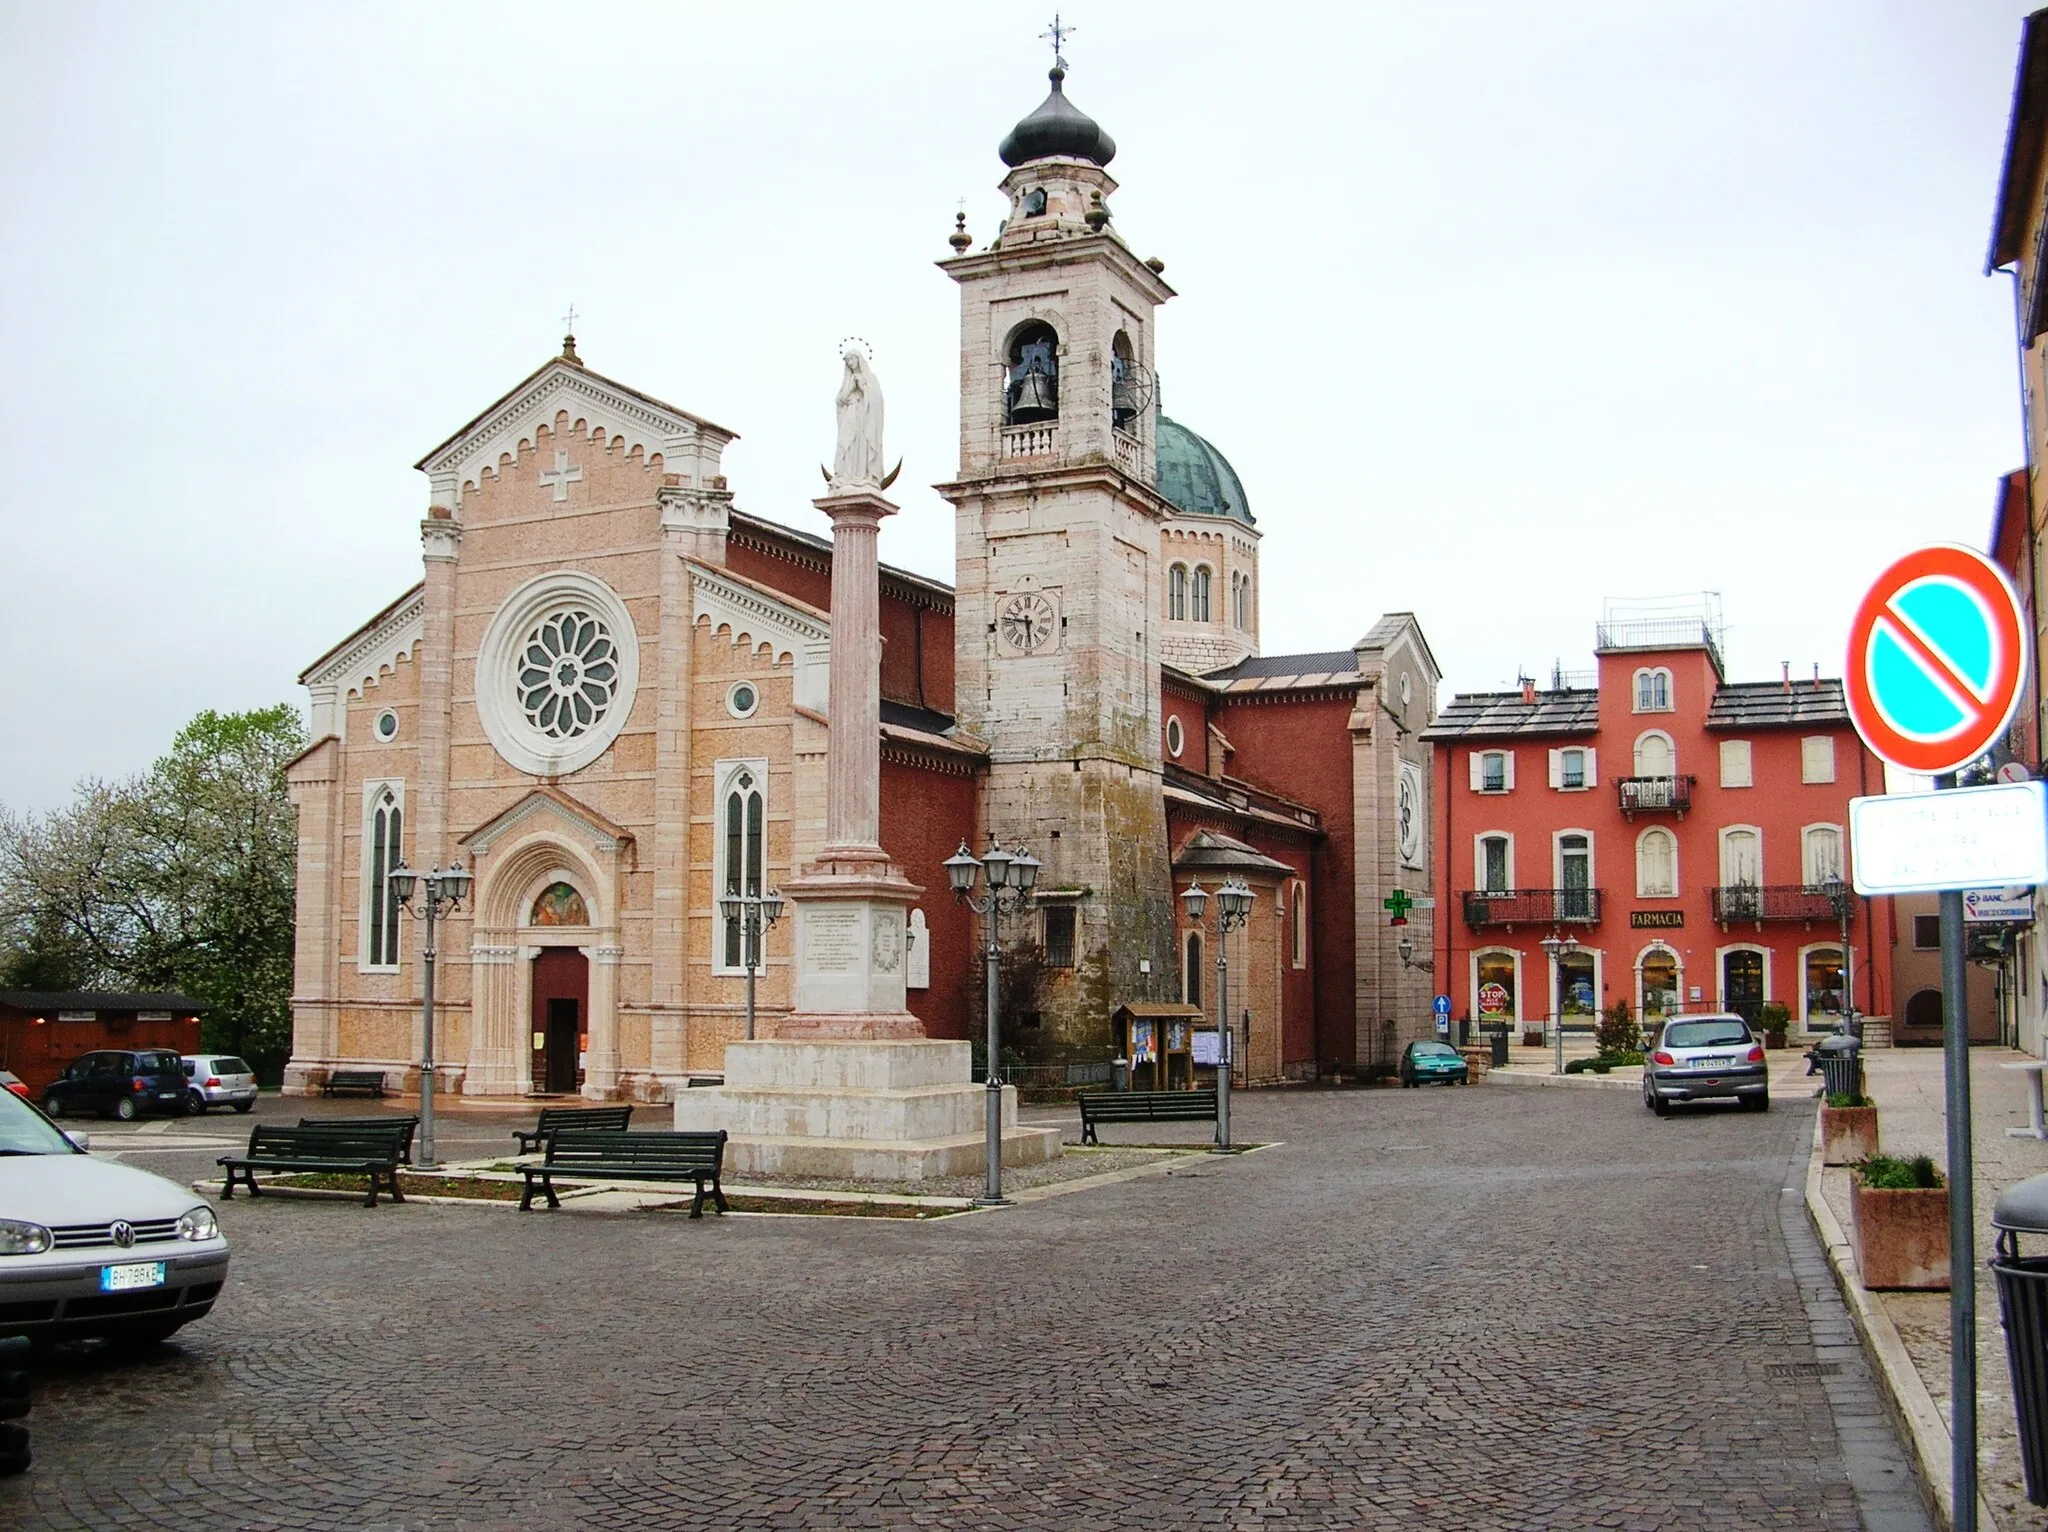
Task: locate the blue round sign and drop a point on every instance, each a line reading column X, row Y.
column 1441, row 1005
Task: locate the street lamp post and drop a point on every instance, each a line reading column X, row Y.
column 444, row 890
column 1011, row 878
column 755, row 913
column 1233, row 909
column 1555, row 947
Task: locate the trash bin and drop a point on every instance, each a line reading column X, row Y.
column 1840, row 1058
column 1498, row 1036
column 1464, row 1031
column 2023, row 1308
column 1119, row 1074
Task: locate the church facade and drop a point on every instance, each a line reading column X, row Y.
column 607, row 697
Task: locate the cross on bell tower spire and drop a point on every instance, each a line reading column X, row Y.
column 1058, row 34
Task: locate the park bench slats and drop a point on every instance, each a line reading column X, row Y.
column 344, row 1081
column 591, row 1119
column 394, row 1124
column 1144, row 1106
column 363, row 1151
column 604, row 1155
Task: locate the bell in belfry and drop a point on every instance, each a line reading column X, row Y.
column 1034, row 383
column 1123, row 393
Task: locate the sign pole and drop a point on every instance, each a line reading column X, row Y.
column 1962, row 1219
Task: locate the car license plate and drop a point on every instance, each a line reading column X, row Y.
column 119, row 1279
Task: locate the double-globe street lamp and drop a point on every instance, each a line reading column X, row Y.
column 754, row 913
column 1233, row 909
column 1556, row 947
column 440, row 892
column 1011, row 877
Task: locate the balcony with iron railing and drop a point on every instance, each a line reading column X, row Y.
column 1760, row 902
column 1533, row 906
column 1654, row 795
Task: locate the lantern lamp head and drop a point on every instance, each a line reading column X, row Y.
column 771, row 906
column 1196, row 898
column 1024, row 871
column 402, row 880
column 455, row 881
column 997, row 865
column 961, row 869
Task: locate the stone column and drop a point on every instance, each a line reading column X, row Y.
column 851, row 904
column 601, row 1059
column 853, row 788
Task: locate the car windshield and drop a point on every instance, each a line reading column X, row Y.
column 231, row 1067
column 159, row 1063
column 1716, row 1033
column 1435, row 1051
column 23, row 1130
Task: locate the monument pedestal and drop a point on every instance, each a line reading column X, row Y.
column 858, row 1110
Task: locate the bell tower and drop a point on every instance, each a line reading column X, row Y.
column 1057, row 539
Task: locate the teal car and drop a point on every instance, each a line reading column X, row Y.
column 1433, row 1064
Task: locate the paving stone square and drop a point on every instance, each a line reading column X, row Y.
column 1492, row 1307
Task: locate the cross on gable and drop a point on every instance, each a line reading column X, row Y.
column 561, row 476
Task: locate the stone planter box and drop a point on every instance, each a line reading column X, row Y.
column 1848, row 1134
column 1532, row 1038
column 1901, row 1237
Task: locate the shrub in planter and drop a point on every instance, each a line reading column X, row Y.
column 1898, row 1212
column 1848, row 1130
column 1775, row 1021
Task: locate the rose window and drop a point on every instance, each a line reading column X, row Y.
column 568, row 674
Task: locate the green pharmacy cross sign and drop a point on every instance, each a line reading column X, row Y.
column 1400, row 903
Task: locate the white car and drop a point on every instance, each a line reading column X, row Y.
column 93, row 1248
column 219, row 1079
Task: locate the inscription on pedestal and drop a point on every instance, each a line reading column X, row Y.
column 832, row 941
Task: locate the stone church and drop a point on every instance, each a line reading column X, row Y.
column 607, row 697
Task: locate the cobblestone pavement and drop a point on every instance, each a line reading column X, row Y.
column 1481, row 1308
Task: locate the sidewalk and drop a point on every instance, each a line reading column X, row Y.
column 1906, row 1084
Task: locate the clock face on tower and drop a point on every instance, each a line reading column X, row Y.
column 1027, row 623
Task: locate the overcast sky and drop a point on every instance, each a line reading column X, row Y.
column 1499, row 309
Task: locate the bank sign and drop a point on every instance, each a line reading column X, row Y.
column 2005, row 906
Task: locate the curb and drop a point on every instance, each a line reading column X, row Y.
column 1587, row 1080
column 1912, row 1406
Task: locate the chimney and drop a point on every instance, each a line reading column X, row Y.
column 1528, row 691
column 1816, row 675
column 1788, row 676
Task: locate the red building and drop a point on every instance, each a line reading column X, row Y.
column 1686, row 833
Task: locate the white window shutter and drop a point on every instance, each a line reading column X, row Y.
column 1508, row 768
column 1557, row 768
column 1478, row 763
column 1592, row 768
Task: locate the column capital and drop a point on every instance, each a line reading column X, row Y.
column 856, row 507
column 440, row 538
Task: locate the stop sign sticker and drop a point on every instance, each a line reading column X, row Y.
column 1937, row 659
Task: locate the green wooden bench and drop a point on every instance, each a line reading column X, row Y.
column 371, row 1152
column 1100, row 1106
column 369, row 1082
column 579, row 1154
column 404, row 1127
column 588, row 1119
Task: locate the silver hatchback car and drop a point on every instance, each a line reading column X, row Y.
column 1699, row 1058
column 220, row 1079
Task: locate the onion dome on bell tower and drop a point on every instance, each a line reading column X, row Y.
column 1058, row 129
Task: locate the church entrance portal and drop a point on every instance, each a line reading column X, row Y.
column 561, row 1007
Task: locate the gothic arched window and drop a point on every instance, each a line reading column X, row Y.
column 1241, row 601
column 380, row 852
column 1177, row 593
column 1032, row 391
column 742, row 835
column 1191, row 991
column 1198, row 604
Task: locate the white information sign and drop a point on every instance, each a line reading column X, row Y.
column 2012, row 906
column 1965, row 838
column 1205, row 1051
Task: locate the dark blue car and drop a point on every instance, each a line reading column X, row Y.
column 121, row 1083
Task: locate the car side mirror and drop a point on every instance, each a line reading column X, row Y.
column 82, row 1140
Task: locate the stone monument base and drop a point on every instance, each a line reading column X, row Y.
column 864, row 1110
